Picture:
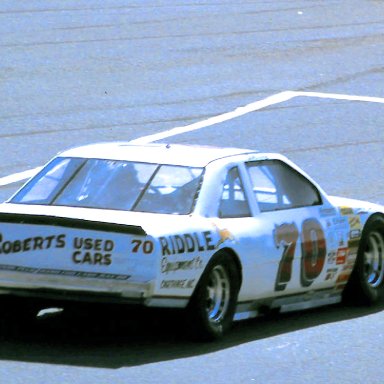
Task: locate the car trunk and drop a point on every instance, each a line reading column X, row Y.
column 74, row 254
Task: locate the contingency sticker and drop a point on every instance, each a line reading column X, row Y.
column 56, row 250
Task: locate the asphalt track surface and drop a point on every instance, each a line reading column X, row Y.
column 77, row 72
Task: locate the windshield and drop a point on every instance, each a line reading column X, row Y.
column 111, row 184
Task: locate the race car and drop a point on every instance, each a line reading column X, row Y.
column 224, row 233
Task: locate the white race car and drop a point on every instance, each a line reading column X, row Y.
column 225, row 233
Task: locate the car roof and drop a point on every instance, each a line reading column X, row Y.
column 172, row 154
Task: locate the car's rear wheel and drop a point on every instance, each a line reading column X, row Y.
column 213, row 304
column 367, row 280
column 373, row 260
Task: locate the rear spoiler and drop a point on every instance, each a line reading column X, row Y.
column 18, row 218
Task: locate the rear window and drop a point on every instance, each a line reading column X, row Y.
column 110, row 184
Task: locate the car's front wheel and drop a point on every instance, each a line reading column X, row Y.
column 213, row 304
column 367, row 279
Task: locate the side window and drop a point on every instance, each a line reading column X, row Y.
column 277, row 186
column 233, row 201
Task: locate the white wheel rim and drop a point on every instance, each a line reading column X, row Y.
column 218, row 294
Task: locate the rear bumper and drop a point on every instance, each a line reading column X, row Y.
column 91, row 291
column 74, row 295
column 92, row 288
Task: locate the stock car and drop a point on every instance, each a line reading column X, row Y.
column 224, row 233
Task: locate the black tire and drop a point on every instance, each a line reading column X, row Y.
column 212, row 306
column 366, row 284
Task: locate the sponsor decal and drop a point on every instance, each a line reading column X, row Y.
column 355, row 234
column 331, row 273
column 346, row 211
column 91, row 258
column 86, row 250
column 171, row 266
column 29, row 244
column 225, row 235
column 352, row 256
column 181, row 284
column 59, row 272
column 354, row 222
column 324, row 212
column 343, row 278
column 341, row 257
column 187, row 243
column 331, row 258
column 92, row 251
column 351, row 259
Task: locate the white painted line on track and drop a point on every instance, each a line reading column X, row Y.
column 341, row 97
column 20, row 176
column 271, row 100
column 252, row 107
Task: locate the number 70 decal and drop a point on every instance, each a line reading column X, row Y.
column 313, row 251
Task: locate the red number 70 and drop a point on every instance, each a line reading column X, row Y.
column 313, row 252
